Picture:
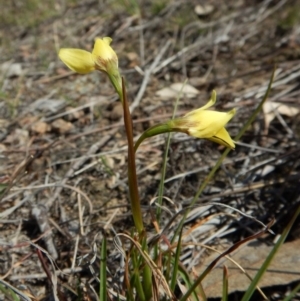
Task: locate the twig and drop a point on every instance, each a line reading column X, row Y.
column 40, row 213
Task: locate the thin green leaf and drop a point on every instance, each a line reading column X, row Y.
column 188, row 283
column 176, row 263
column 12, row 293
column 292, row 293
column 9, row 294
column 3, row 187
column 225, row 284
column 103, row 291
column 136, row 277
column 147, row 273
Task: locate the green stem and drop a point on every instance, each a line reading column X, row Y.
column 136, row 276
column 116, row 80
column 153, row 131
column 147, row 273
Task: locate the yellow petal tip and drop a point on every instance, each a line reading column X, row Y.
column 77, row 60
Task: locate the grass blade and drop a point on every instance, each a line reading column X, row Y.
column 103, row 291
column 11, row 292
column 292, row 293
column 176, row 263
column 165, row 159
column 225, row 284
column 188, row 283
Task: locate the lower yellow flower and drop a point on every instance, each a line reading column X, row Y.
column 200, row 123
column 203, row 123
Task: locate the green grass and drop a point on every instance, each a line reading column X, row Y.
column 27, row 13
column 291, row 19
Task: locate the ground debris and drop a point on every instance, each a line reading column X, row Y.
column 63, row 145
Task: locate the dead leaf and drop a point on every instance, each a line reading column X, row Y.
column 175, row 89
column 284, row 268
column 203, row 10
column 11, row 69
column 270, row 108
column 73, row 113
column 3, row 148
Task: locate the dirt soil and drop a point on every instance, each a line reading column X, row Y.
column 63, row 146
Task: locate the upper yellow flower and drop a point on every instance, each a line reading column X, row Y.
column 102, row 58
column 203, row 123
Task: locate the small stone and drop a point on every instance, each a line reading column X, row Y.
column 203, row 10
column 3, row 148
column 133, row 58
column 11, row 69
column 117, row 111
column 61, row 126
column 73, row 113
column 40, row 127
column 19, row 137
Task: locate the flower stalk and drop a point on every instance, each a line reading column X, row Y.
column 132, row 178
column 135, row 198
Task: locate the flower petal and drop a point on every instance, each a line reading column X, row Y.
column 209, row 104
column 204, row 123
column 207, row 123
column 77, row 60
column 103, row 50
column 223, row 138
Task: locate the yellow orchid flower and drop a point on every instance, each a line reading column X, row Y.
column 203, row 123
column 102, row 58
column 200, row 123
